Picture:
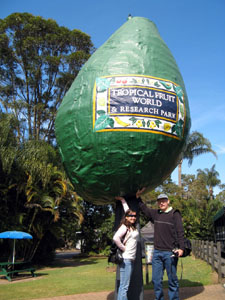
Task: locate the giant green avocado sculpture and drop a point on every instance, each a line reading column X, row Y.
column 125, row 120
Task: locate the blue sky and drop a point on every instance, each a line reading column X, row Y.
column 194, row 30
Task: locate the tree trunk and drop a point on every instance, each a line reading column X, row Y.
column 210, row 193
column 179, row 173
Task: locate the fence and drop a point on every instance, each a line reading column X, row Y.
column 211, row 253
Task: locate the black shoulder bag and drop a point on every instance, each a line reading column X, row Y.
column 115, row 255
column 187, row 242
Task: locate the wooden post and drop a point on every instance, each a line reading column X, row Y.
column 204, row 250
column 193, row 247
column 212, row 256
column 196, row 251
column 219, row 266
column 199, row 248
column 196, row 248
column 136, row 290
column 207, row 251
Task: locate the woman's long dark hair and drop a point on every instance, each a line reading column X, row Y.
column 126, row 222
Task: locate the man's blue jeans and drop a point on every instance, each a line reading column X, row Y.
column 125, row 274
column 162, row 260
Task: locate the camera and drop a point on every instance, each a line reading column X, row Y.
column 175, row 254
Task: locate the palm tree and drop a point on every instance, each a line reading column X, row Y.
column 210, row 177
column 197, row 144
column 45, row 202
column 35, row 193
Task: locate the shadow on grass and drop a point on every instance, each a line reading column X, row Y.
column 62, row 261
column 188, row 290
column 110, row 296
column 183, row 283
column 22, row 277
column 70, row 261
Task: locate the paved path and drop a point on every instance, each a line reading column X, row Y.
column 210, row 292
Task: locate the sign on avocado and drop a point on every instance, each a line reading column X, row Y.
column 135, row 102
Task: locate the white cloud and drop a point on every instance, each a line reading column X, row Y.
column 221, row 149
column 206, row 117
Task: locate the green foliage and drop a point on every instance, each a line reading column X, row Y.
column 97, row 227
column 34, row 193
column 210, row 177
column 221, row 196
column 196, row 145
column 8, row 143
column 38, row 62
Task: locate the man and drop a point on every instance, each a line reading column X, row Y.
column 168, row 244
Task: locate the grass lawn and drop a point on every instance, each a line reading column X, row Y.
column 91, row 275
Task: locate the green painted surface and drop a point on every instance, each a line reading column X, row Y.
column 114, row 146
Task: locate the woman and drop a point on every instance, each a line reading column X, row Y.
column 127, row 233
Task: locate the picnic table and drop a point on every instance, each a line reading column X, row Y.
column 8, row 269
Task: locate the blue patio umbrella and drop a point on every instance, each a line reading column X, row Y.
column 15, row 235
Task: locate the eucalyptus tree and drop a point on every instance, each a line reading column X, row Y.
column 38, row 62
column 8, row 150
column 197, row 144
column 194, row 187
column 8, row 143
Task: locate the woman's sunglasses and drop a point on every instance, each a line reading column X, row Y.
column 134, row 216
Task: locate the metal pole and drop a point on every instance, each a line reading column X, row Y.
column 135, row 291
column 14, row 247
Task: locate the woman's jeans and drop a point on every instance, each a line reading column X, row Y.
column 162, row 260
column 125, row 274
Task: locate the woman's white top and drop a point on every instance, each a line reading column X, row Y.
column 129, row 245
